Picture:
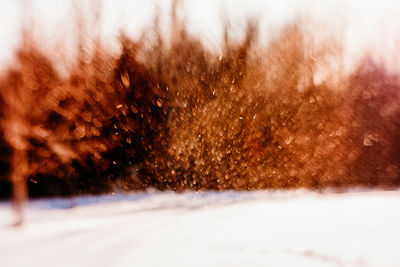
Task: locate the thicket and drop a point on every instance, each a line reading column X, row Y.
column 173, row 114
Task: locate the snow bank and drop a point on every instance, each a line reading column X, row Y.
column 296, row 228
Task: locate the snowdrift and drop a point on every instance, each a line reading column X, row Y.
column 292, row 228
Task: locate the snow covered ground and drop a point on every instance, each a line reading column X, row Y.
column 293, row 228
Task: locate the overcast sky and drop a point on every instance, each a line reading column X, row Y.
column 358, row 23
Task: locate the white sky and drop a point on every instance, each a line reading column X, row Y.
column 357, row 23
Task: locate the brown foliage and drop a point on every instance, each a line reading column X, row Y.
column 176, row 115
column 375, row 128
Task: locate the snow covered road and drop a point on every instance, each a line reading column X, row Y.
column 293, row 228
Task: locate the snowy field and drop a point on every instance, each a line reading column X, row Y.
column 295, row 228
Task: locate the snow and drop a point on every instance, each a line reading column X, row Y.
column 292, row 228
